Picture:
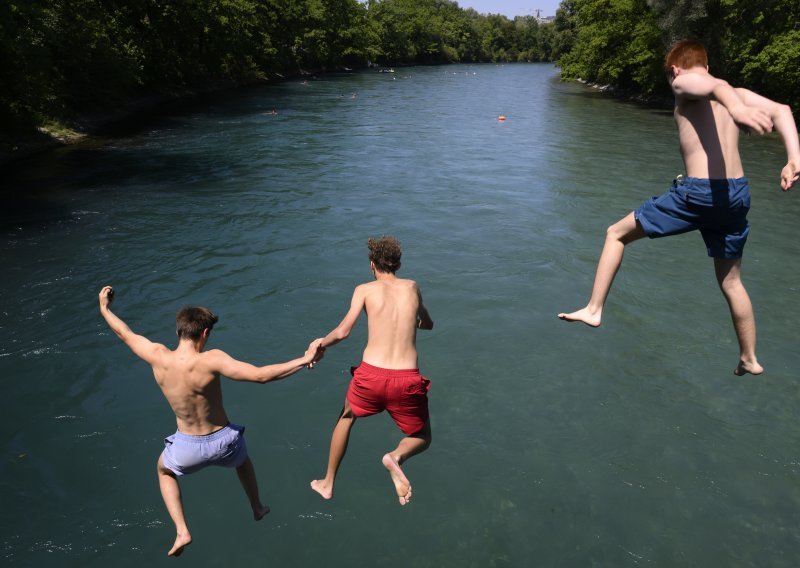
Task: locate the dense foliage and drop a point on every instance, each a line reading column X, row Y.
column 62, row 57
column 751, row 43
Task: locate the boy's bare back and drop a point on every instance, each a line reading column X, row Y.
column 392, row 306
column 709, row 140
column 192, row 387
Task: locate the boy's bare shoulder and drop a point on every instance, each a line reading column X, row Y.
column 212, row 355
column 408, row 282
column 212, row 360
column 366, row 287
column 160, row 352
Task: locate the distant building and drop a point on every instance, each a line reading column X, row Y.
column 537, row 13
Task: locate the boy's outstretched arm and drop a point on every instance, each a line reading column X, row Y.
column 226, row 365
column 342, row 331
column 781, row 116
column 140, row 345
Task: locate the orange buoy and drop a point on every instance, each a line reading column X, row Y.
column 501, row 118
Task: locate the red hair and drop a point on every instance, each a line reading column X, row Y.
column 686, row 53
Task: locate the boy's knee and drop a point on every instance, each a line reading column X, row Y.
column 614, row 232
column 730, row 285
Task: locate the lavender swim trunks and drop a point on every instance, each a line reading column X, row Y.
column 184, row 454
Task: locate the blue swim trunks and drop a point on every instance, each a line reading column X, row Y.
column 716, row 207
column 184, row 454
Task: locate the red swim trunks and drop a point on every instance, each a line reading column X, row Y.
column 401, row 392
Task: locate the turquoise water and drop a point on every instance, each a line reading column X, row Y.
column 553, row 444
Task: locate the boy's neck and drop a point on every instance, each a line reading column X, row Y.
column 191, row 345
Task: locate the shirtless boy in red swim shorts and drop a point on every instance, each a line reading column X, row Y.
column 388, row 377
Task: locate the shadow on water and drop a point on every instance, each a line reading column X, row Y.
column 34, row 188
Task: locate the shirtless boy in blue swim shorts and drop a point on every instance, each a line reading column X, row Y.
column 713, row 197
column 388, row 377
column 189, row 379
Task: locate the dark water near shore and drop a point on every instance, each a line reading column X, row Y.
column 554, row 444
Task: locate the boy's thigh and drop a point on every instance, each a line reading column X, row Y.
column 668, row 214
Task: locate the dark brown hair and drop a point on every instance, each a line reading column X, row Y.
column 192, row 320
column 686, row 53
column 385, row 253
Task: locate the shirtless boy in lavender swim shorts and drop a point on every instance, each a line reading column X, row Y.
column 388, row 377
column 714, row 197
column 189, row 379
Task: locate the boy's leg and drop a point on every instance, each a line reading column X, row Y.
column 621, row 233
column 339, row 439
column 728, row 273
column 409, row 446
column 247, row 477
column 171, row 493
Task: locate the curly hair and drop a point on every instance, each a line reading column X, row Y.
column 686, row 53
column 190, row 322
column 385, row 253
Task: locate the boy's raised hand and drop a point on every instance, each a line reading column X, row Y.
column 789, row 174
column 105, row 296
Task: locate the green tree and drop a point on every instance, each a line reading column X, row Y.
column 617, row 43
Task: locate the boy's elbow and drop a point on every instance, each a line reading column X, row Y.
column 264, row 378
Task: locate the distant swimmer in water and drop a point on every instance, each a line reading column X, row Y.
column 714, row 197
column 388, row 377
column 189, row 379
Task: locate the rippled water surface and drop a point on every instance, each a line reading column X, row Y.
column 554, row 444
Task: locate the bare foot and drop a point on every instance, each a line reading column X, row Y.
column 181, row 542
column 322, row 488
column 584, row 315
column 259, row 514
column 745, row 367
column 401, row 483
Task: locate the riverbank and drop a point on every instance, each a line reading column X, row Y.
column 649, row 100
column 23, row 138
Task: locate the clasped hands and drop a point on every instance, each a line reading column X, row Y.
column 314, row 353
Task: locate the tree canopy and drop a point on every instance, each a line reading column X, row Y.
column 750, row 43
column 64, row 57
